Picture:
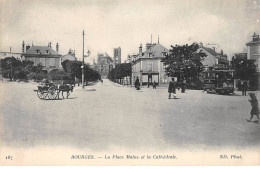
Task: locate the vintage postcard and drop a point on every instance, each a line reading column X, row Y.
column 132, row 83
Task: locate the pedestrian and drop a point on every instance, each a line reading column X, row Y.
column 137, row 83
column 254, row 105
column 154, row 85
column 183, row 86
column 101, row 81
column 171, row 89
column 244, row 88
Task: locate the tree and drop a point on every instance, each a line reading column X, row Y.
column 74, row 67
column 184, row 61
column 37, row 69
column 10, row 66
column 64, row 63
column 245, row 69
column 15, row 69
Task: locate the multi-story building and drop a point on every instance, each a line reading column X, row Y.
column 44, row 55
column 104, row 64
column 253, row 51
column 117, row 55
column 147, row 65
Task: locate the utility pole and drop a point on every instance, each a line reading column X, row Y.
column 83, row 63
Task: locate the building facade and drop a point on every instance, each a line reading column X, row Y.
column 44, row 55
column 117, row 55
column 104, row 64
column 70, row 56
column 213, row 57
column 147, row 65
column 253, row 51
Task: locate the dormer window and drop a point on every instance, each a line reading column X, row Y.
column 37, row 51
column 47, row 51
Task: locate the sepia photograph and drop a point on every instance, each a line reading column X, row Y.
column 129, row 83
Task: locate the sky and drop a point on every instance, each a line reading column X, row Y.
column 122, row 23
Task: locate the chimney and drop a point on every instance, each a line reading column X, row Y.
column 28, row 47
column 221, row 52
column 23, row 45
column 255, row 37
column 140, row 49
column 10, row 49
column 57, row 47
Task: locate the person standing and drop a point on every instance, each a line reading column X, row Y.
column 154, row 85
column 137, row 84
column 244, row 88
column 183, row 86
column 171, row 89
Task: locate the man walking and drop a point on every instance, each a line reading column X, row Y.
column 171, row 89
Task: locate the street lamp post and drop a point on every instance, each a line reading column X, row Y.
column 83, row 56
column 83, row 63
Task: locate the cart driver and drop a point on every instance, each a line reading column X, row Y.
column 45, row 82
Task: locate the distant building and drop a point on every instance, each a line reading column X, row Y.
column 147, row 65
column 240, row 56
column 10, row 54
column 117, row 55
column 254, row 50
column 213, row 58
column 44, row 55
column 104, row 64
column 70, row 56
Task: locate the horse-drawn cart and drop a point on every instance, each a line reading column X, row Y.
column 52, row 91
column 49, row 91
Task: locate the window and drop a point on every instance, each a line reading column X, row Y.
column 37, row 51
column 150, row 66
column 52, row 62
column 42, row 61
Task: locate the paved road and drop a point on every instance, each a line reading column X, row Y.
column 105, row 115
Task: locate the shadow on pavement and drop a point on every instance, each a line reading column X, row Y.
column 91, row 90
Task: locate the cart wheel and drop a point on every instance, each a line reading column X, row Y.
column 42, row 94
column 52, row 93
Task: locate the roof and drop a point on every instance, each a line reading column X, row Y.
column 157, row 47
column 253, row 42
column 156, row 50
column 69, row 54
column 42, row 50
column 211, row 51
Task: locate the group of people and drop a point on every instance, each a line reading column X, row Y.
column 171, row 88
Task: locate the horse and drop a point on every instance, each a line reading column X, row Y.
column 65, row 88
